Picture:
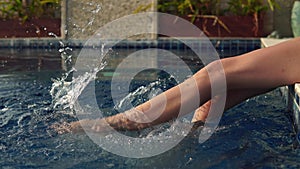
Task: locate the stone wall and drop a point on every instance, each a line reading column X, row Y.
column 282, row 18
column 84, row 18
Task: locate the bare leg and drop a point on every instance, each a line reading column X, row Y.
column 233, row 98
column 202, row 112
column 258, row 71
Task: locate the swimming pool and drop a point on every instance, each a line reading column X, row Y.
column 255, row 134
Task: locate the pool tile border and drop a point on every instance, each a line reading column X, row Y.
column 234, row 46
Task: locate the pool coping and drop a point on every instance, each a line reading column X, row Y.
column 290, row 93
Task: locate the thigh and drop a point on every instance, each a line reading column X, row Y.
column 265, row 68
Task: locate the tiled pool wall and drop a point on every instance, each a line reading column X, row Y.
column 225, row 47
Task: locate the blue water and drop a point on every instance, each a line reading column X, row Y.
column 257, row 133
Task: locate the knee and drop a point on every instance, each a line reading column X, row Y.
column 219, row 69
column 215, row 75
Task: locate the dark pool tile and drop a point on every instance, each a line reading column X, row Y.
column 5, row 43
column 225, row 47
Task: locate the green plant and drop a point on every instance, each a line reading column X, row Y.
column 211, row 9
column 186, row 7
column 143, row 8
column 194, row 9
column 250, row 7
column 26, row 9
column 253, row 8
column 169, row 6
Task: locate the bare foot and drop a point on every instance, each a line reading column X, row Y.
column 81, row 126
column 202, row 112
column 118, row 122
column 61, row 128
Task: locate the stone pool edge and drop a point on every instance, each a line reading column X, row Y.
column 290, row 93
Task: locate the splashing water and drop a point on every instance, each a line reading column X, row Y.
column 64, row 50
column 151, row 90
column 65, row 93
column 139, row 91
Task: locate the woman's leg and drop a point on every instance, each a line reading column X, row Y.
column 271, row 67
column 263, row 69
column 234, row 97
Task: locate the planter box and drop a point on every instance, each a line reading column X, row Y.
column 31, row 28
column 239, row 26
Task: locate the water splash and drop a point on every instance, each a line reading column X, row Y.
column 144, row 93
column 65, row 94
column 64, row 91
column 65, row 51
column 139, row 91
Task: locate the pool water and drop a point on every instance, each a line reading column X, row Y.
column 257, row 133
